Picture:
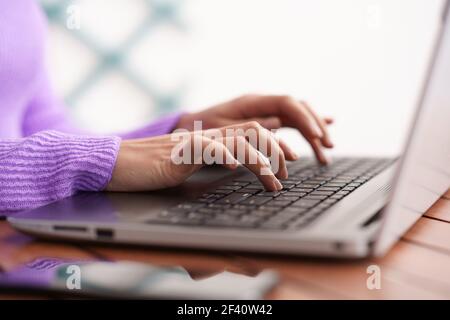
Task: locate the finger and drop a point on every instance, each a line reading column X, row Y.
column 328, row 120
column 326, row 141
column 269, row 146
column 290, row 111
column 265, row 142
column 304, row 121
column 207, row 151
column 316, row 145
column 246, row 154
column 291, row 155
column 268, row 122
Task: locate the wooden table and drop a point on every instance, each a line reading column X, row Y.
column 417, row 267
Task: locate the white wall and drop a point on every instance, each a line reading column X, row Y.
column 361, row 61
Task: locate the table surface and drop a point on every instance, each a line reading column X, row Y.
column 418, row 267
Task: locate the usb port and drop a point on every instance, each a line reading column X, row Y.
column 104, row 233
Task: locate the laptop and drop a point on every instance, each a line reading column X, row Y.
column 353, row 208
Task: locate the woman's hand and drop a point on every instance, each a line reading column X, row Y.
column 166, row 161
column 272, row 112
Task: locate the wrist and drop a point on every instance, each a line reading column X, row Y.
column 116, row 182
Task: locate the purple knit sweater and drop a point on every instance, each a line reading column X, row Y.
column 43, row 157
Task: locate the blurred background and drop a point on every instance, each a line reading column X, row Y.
column 360, row 61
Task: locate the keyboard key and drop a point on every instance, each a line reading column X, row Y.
column 207, row 195
column 314, row 212
column 247, row 190
column 305, row 203
column 297, row 189
column 323, row 205
column 257, row 186
column 241, row 207
column 295, row 194
column 230, row 187
column 354, row 184
column 328, row 189
column 315, row 197
column 261, row 213
column 287, row 197
column 313, row 182
column 206, row 200
column 269, row 208
column 223, row 191
column 287, row 186
column 217, row 205
column 269, row 193
column 335, row 184
column 296, row 210
column 234, row 198
column 308, row 186
column 255, row 200
column 279, row 203
column 321, row 193
column 330, row 201
column 342, row 180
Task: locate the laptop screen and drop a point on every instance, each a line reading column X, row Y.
column 424, row 172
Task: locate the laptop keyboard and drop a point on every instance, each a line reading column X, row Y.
column 306, row 194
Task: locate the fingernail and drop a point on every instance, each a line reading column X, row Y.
column 285, row 173
column 234, row 165
column 294, row 154
column 278, row 185
column 322, row 159
column 325, row 159
column 328, row 143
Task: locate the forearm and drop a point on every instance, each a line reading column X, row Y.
column 50, row 165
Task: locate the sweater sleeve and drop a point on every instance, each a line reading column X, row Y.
column 50, row 165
